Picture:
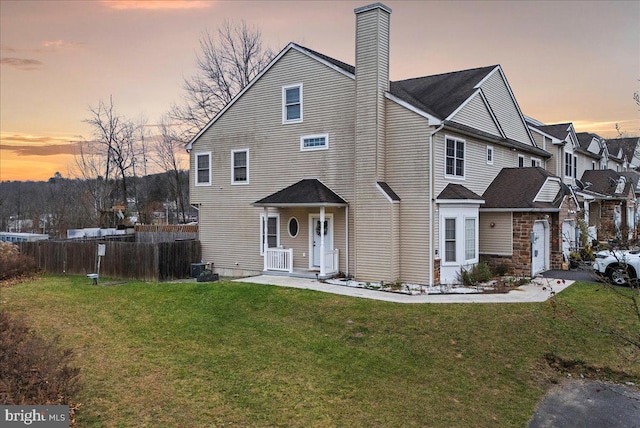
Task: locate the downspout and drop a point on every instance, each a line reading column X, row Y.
column 431, row 213
column 346, row 256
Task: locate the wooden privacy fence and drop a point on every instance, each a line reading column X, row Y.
column 126, row 260
column 165, row 233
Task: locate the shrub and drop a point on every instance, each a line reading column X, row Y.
column 12, row 263
column 33, row 370
column 477, row 274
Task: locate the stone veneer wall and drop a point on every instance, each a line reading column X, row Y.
column 520, row 262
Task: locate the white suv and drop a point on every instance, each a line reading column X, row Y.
column 621, row 266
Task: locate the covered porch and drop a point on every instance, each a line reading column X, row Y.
column 316, row 218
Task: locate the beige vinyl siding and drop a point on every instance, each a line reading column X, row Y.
column 373, row 223
column 548, row 192
column 476, row 115
column 408, row 175
column 505, row 110
column 538, row 138
column 478, row 175
column 497, row 240
column 230, row 226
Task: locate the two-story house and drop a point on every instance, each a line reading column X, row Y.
column 319, row 167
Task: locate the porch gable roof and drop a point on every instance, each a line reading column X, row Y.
column 518, row 189
column 308, row 192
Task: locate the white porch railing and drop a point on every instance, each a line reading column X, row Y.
column 331, row 261
column 278, row 259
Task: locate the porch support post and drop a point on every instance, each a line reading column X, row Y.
column 322, row 251
column 265, row 244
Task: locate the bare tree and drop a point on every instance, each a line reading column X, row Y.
column 224, row 67
column 168, row 155
column 118, row 138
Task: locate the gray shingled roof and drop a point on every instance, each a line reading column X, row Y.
column 389, row 191
column 343, row 65
column 458, row 191
column 516, row 188
column 558, row 130
column 603, row 182
column 628, row 146
column 440, row 94
column 306, row 192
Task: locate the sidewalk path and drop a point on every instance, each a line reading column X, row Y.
column 538, row 290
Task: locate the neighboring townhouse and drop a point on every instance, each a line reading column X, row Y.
column 318, row 168
column 561, row 141
column 627, row 150
column 611, row 203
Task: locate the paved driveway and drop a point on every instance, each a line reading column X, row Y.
column 581, row 274
column 588, row 404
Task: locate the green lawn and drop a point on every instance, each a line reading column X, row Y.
column 236, row 354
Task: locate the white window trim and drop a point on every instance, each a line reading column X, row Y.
column 289, row 227
column 444, row 241
column 523, row 159
column 312, row 149
column 464, row 159
column 476, row 244
column 196, row 155
column 284, row 104
column 568, row 156
column 263, row 232
column 233, row 180
column 492, row 152
column 537, row 161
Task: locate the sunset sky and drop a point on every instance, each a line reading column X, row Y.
column 565, row 61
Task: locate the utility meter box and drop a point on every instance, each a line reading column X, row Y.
column 102, row 248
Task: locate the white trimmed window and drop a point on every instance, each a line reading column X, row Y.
column 520, row 161
column 536, row 162
column 292, row 103
column 314, row 142
column 568, row 164
column 240, row 166
column 489, row 155
column 454, row 157
column 469, row 238
column 203, row 169
column 271, row 234
column 449, row 239
column 593, row 165
column 575, row 167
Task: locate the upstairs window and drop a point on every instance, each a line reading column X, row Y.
column 568, row 165
column 489, row 155
column 536, row 162
column 520, row 161
column 292, row 104
column 240, row 166
column 314, row 142
column 203, row 169
column 575, row 167
column 454, row 157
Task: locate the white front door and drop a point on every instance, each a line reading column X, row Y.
column 315, row 241
column 568, row 238
column 539, row 247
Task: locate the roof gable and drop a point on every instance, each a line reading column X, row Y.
column 334, row 64
column 475, row 112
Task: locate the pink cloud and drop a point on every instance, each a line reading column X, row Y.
column 156, row 5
